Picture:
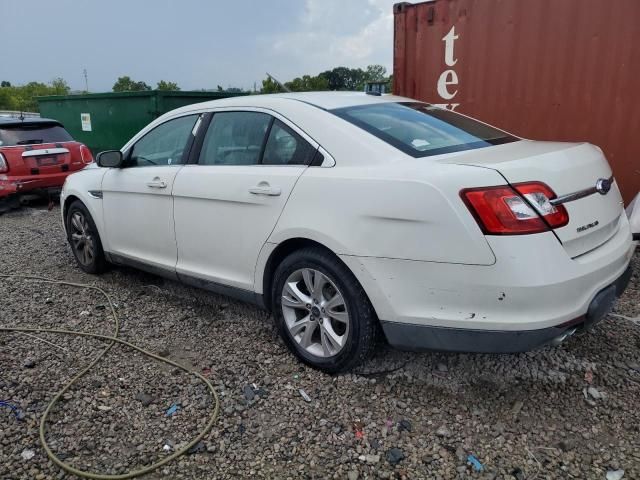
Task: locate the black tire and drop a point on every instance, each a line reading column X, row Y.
column 97, row 263
column 363, row 323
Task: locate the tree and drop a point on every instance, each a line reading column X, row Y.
column 125, row 84
column 376, row 73
column 308, row 84
column 60, row 86
column 343, row 78
column 23, row 97
column 162, row 85
column 270, row 86
column 5, row 83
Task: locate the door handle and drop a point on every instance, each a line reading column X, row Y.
column 263, row 188
column 157, row 183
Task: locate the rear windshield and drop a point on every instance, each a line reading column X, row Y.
column 30, row 134
column 422, row 130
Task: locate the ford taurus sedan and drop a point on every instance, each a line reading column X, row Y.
column 348, row 214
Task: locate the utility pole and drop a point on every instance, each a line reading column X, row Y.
column 86, row 80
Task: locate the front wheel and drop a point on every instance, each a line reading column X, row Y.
column 83, row 237
column 322, row 312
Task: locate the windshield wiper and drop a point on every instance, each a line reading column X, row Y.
column 30, row 141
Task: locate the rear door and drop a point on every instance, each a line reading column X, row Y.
column 227, row 204
column 137, row 202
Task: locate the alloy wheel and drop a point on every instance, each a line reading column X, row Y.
column 315, row 312
column 82, row 240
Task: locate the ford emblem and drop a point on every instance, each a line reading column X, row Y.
column 603, row 185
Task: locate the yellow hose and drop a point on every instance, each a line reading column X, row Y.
column 112, row 341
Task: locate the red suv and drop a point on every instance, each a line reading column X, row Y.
column 36, row 156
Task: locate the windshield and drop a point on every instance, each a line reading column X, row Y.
column 29, row 134
column 423, row 130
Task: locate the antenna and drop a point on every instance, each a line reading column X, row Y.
column 86, row 80
column 278, row 82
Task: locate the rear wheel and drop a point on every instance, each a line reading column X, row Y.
column 83, row 237
column 322, row 312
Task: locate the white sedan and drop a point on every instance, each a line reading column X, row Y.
column 345, row 214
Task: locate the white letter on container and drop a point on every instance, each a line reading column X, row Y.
column 448, row 40
column 448, row 77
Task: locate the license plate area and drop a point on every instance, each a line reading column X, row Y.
column 47, row 161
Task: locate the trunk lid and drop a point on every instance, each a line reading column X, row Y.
column 568, row 168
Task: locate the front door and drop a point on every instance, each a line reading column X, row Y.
column 137, row 202
column 227, row 204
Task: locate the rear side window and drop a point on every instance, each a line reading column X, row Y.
column 234, row 138
column 31, row 134
column 285, row 147
column 421, row 130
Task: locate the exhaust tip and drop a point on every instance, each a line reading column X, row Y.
column 561, row 338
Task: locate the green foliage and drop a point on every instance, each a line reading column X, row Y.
column 343, row 78
column 162, row 85
column 339, row 78
column 23, row 97
column 308, row 84
column 270, row 86
column 375, row 73
column 60, row 86
column 125, row 84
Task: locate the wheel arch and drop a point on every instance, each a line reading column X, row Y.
column 65, row 207
column 279, row 253
column 94, row 208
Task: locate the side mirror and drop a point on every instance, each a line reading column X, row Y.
column 109, row 159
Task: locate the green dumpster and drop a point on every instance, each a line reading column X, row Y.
column 106, row 121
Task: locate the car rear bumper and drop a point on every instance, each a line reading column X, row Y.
column 51, row 183
column 422, row 337
column 534, row 290
column 7, row 187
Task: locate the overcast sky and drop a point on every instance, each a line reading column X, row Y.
column 196, row 43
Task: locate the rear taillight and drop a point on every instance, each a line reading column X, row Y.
column 85, row 154
column 539, row 196
column 4, row 166
column 519, row 210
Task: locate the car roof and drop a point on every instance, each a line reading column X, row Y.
column 332, row 100
column 323, row 100
column 17, row 121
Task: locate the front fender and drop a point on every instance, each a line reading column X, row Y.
column 78, row 185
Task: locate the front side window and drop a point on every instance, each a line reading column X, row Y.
column 422, row 130
column 285, row 147
column 164, row 145
column 234, row 138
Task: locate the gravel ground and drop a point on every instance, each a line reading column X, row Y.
column 403, row 415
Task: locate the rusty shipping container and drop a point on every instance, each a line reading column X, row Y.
column 565, row 70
